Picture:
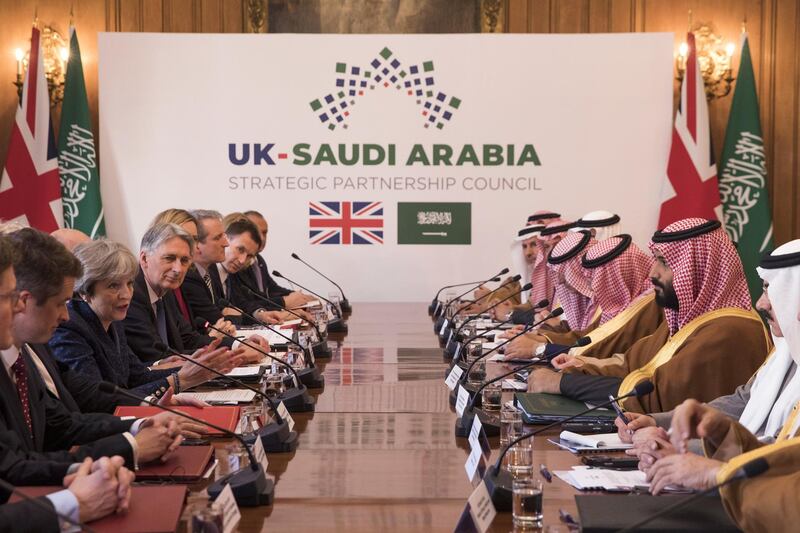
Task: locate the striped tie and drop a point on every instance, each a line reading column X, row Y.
column 207, row 279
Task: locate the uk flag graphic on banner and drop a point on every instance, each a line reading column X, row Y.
column 345, row 222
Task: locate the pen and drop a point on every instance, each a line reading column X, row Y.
column 543, row 470
column 619, row 412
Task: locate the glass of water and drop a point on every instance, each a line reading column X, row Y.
column 474, row 350
column 477, row 374
column 527, row 503
column 520, row 459
column 510, row 424
column 492, row 395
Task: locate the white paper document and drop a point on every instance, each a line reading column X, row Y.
column 224, row 396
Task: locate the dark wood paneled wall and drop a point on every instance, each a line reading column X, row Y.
column 773, row 25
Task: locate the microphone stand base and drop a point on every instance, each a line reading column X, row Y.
column 437, row 326
column 471, row 389
column 345, row 305
column 296, row 400
column 499, row 487
column 491, row 424
column 432, row 307
column 311, row 378
column 276, row 438
column 321, row 350
column 337, row 325
column 251, row 488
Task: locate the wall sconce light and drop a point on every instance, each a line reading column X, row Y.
column 55, row 54
column 715, row 58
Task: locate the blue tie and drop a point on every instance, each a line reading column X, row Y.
column 161, row 321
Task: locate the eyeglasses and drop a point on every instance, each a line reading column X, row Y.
column 11, row 296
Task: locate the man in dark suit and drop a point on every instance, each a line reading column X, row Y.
column 202, row 288
column 34, row 422
column 258, row 274
column 153, row 316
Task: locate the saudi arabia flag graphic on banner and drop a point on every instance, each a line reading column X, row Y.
column 77, row 158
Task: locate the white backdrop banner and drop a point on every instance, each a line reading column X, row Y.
column 393, row 163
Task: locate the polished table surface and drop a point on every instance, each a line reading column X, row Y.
column 380, row 453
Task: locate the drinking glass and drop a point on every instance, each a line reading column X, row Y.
column 510, row 424
column 520, row 459
column 492, row 395
column 477, row 374
column 207, row 519
column 527, row 502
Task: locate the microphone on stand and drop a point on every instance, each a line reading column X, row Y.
column 320, row 349
column 751, row 469
column 309, row 376
column 498, row 481
column 337, row 325
column 558, row 311
column 276, row 437
column 250, row 485
column 5, row 485
column 441, row 320
column 453, row 336
column 296, row 399
column 541, row 304
column 454, row 339
column 450, row 327
column 346, row 307
column 435, row 305
column 464, row 422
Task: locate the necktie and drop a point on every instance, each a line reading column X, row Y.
column 161, row 321
column 21, row 377
column 259, row 278
column 227, row 287
column 207, row 279
column 182, row 305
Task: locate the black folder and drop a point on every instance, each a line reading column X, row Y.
column 607, row 513
column 543, row 408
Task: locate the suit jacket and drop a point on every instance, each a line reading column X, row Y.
column 199, row 299
column 24, row 517
column 141, row 329
column 43, row 458
column 77, row 391
column 271, row 287
column 82, row 344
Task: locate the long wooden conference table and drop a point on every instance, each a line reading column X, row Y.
column 380, row 453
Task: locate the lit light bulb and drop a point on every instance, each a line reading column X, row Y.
column 683, row 50
column 730, row 48
column 64, row 53
column 19, row 54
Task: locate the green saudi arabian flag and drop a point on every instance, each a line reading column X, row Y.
column 743, row 178
column 77, row 157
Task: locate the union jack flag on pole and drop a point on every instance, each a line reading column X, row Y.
column 30, row 189
column 345, row 222
column 690, row 188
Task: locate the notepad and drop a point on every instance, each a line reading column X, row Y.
column 600, row 441
column 586, row 478
column 229, row 396
column 246, row 371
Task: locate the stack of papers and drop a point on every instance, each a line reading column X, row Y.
column 586, row 478
column 230, row 396
column 602, row 442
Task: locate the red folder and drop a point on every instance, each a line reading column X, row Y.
column 223, row 416
column 186, row 464
column 153, row 509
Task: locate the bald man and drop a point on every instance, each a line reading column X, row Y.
column 70, row 238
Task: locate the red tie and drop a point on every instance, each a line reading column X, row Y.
column 22, row 389
column 182, row 305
